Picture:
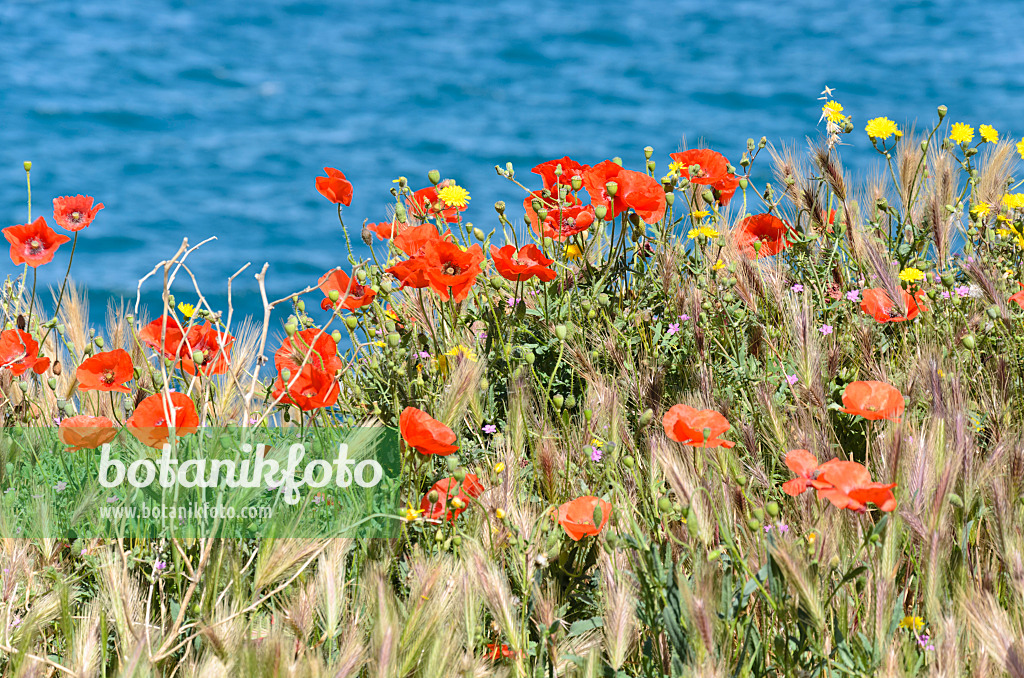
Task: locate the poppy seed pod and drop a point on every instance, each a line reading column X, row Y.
column 289, row 329
column 367, row 235
column 670, row 198
column 601, row 211
column 361, row 276
column 434, row 176
column 21, row 322
column 52, row 383
column 969, row 342
column 576, row 182
column 56, row 369
column 743, row 183
column 611, row 188
column 942, row 112
column 27, row 165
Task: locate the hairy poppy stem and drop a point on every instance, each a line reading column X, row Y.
column 63, row 285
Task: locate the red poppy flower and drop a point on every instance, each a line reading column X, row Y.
column 164, row 335
column 873, row 400
column 425, row 434
column 496, row 652
column 573, row 220
column 551, row 204
column 449, row 488
column 726, row 188
column 75, row 213
column 86, row 433
column 310, row 389
column 849, row 486
column 766, row 229
column 1018, row 297
column 522, row 264
column 577, row 516
column 19, row 352
column 876, row 303
column 570, row 169
column 106, row 371
column 846, row 484
column 686, row 425
column 351, row 294
column 644, row 194
column 206, row 349
column 805, row 466
column 712, row 165
column 153, row 418
column 424, row 204
column 309, row 347
column 33, row 244
column 595, row 180
column 335, row 187
column 385, row 230
column 451, row 271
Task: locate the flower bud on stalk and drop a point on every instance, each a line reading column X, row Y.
column 611, row 188
column 601, row 211
column 434, row 176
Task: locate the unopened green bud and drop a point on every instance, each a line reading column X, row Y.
column 992, row 312
column 351, row 322
column 394, row 340
column 336, row 335
column 570, row 402
column 969, row 342
column 617, row 161
column 52, row 383
column 670, row 199
column 198, row 357
column 754, row 524
column 647, row 417
column 708, row 195
column 98, row 341
column 479, row 234
column 499, row 207
column 665, row 504
column 558, row 400
column 627, row 461
column 560, row 332
column 333, row 295
column 772, row 508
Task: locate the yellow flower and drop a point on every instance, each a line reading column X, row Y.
column 677, row 167
column 942, row 375
column 881, row 128
column 1020, row 148
column 912, row 623
column 499, row 513
column 454, row 196
column 982, row 209
column 719, row 265
column 1013, row 201
column 597, row 442
column 379, row 343
column 699, row 214
column 961, row 133
column 703, row 231
column 573, row 252
column 811, row 536
column 410, row 514
column 989, row 133
column 911, row 274
column 499, row 467
column 464, row 351
column 186, row 309
column 1011, row 232
column 833, row 110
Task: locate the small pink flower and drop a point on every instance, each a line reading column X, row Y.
column 673, row 328
column 825, row 329
column 791, row 379
column 797, row 288
column 853, row 295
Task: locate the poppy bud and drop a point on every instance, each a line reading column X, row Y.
column 367, row 235
column 708, row 196
column 627, row 461
column 439, row 536
column 992, row 312
column 98, row 341
column 601, row 211
column 834, row 562
column 948, row 280
column 969, row 342
column 772, row 508
column 942, row 112
column 434, row 176
column 548, row 243
column 665, row 504
column 351, row 322
column 591, row 314
column 52, row 383
column 558, row 400
column 670, row 199
column 27, row 165
column 290, row 328
column 753, row 523
column 479, row 234
column 336, row 335
column 647, row 417
column 400, row 214
column 560, row 332
column 61, row 328
column 21, row 322
column 360, row 276
column 460, row 474
column 570, row 402
column 23, row 385
column 394, row 340
column 758, row 513
column 56, row 369
column 691, row 523
column 598, row 515
column 714, row 555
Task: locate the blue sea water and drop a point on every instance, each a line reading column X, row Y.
column 199, row 118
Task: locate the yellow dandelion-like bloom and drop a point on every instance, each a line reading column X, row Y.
column 187, row 310
column 597, row 442
column 961, row 133
column 499, row 513
column 703, row 231
column 464, row 351
column 1011, row 232
column 573, row 252
column 833, row 111
column 719, row 265
column 1020, row 148
column 677, row 168
column 912, row 623
column 911, row 275
column 982, row 209
column 699, row 214
column 1013, row 201
column 811, row 536
column 881, row 128
column 989, row 133
column 499, row 467
column 379, row 343
column 454, row 196
column 411, row 514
